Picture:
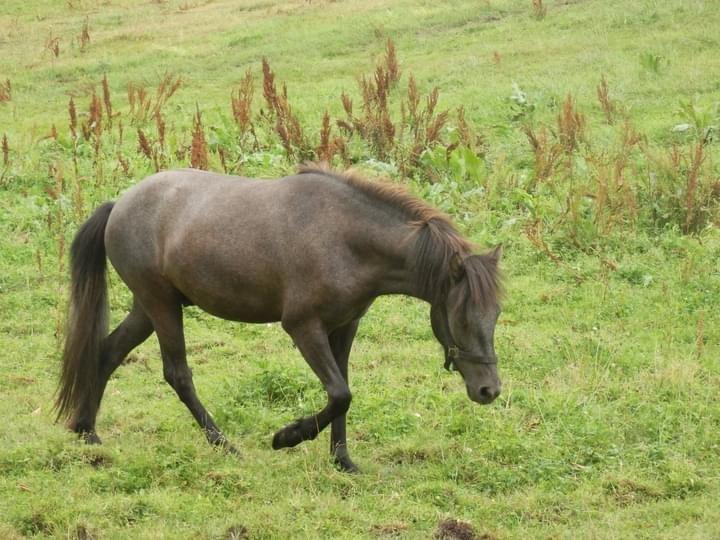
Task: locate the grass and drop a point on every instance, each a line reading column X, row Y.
column 607, row 425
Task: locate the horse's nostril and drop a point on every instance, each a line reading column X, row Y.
column 490, row 392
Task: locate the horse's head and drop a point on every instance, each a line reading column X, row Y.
column 464, row 321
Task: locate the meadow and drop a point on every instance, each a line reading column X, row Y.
column 583, row 135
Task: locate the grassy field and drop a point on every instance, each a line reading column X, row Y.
column 609, row 419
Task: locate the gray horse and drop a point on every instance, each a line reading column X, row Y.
column 311, row 250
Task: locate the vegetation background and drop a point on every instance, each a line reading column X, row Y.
column 582, row 134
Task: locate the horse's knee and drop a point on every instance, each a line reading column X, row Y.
column 340, row 400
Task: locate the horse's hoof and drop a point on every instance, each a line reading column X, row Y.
column 218, row 440
column 291, row 435
column 90, row 437
column 231, row 450
column 345, row 464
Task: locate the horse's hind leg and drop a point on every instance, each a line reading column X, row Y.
column 166, row 318
column 341, row 341
column 130, row 333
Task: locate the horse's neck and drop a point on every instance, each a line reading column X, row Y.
column 396, row 242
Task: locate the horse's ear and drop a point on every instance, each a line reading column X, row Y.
column 495, row 254
column 457, row 267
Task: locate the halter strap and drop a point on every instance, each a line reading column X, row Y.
column 455, row 353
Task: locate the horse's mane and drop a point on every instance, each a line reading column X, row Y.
column 437, row 240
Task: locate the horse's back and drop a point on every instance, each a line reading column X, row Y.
column 174, row 203
column 231, row 245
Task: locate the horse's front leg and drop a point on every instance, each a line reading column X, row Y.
column 312, row 341
column 341, row 341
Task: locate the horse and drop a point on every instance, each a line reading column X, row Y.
column 312, row 250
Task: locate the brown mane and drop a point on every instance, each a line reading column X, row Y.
column 437, row 240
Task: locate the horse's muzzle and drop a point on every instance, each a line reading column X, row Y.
column 484, row 394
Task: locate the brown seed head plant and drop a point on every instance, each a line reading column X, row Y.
column 169, row 84
column 603, row 95
column 5, row 91
column 324, row 149
column 145, row 147
column 222, row 154
column 571, row 125
column 413, row 101
column 692, row 192
column 428, row 127
column 615, row 197
column 467, row 135
column 392, row 67
column 685, row 187
column 630, row 139
column 198, row 149
column 242, row 105
column 418, row 127
column 281, row 116
column 73, row 118
column 107, row 101
column 610, row 203
column 52, row 44
column 84, row 37
column 123, row 164
column 269, row 89
column 347, row 104
column 5, row 150
column 376, row 125
column 73, row 132
column 434, row 127
column 328, row 147
column 139, row 101
column 432, row 100
column 539, row 9
column 143, row 106
column 160, row 126
column 547, row 153
column 120, row 132
column 93, row 128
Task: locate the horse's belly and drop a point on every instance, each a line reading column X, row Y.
column 242, row 309
column 230, row 295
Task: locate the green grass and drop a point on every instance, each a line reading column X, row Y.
column 609, row 418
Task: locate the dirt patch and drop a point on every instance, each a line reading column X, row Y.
column 452, row 529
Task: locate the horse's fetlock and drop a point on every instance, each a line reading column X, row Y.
column 309, row 429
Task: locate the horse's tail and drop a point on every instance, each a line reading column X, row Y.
column 88, row 317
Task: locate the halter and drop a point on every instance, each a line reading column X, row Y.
column 455, row 353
